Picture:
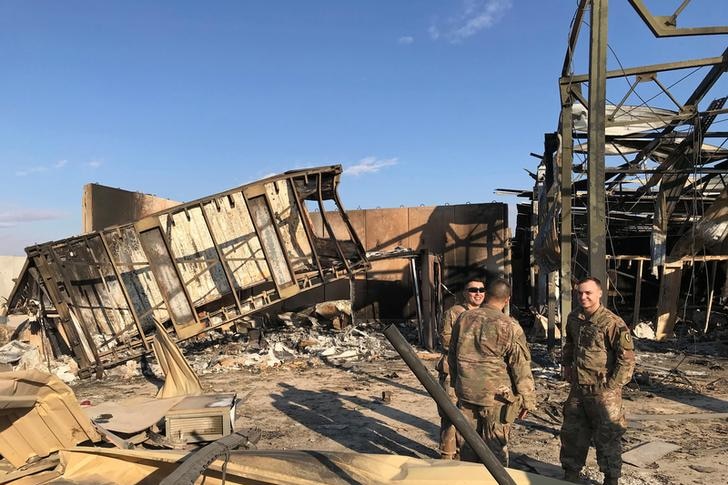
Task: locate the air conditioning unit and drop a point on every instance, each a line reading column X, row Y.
column 201, row 418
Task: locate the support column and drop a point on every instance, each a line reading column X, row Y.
column 566, row 156
column 637, row 293
column 597, row 123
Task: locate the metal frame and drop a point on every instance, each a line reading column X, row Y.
column 208, row 314
column 618, row 202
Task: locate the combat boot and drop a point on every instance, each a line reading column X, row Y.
column 571, row 476
column 611, row 481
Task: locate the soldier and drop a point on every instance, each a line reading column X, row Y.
column 490, row 369
column 598, row 359
column 473, row 296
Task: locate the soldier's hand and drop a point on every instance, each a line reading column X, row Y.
column 523, row 413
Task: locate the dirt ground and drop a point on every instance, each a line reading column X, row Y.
column 308, row 404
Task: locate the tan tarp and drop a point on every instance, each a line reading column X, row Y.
column 131, row 415
column 38, row 415
column 179, row 378
column 109, row 466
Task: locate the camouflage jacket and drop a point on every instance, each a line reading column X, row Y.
column 445, row 331
column 489, row 359
column 599, row 349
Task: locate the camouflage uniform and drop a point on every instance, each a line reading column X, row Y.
column 600, row 351
column 448, row 434
column 490, row 368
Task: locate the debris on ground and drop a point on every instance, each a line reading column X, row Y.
column 644, row 330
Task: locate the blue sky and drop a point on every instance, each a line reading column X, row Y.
column 423, row 102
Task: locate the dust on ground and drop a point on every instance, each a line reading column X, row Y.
column 307, row 403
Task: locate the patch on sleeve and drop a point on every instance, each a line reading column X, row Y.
column 626, row 340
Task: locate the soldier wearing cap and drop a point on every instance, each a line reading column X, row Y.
column 598, row 360
column 490, row 368
column 472, row 297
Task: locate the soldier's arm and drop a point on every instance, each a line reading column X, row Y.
column 446, row 330
column 567, row 352
column 622, row 345
column 518, row 359
column 452, row 354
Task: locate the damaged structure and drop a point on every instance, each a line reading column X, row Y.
column 193, row 267
column 632, row 187
column 266, row 247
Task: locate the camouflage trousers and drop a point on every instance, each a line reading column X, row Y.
column 593, row 414
column 489, row 424
column 448, row 434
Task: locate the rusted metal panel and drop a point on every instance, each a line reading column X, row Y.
column 386, row 228
column 476, row 238
column 428, row 227
column 195, row 266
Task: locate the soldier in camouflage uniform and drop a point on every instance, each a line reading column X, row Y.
column 598, row 359
column 490, row 369
column 473, row 296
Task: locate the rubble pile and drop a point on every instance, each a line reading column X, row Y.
column 322, row 334
column 297, row 337
column 17, row 355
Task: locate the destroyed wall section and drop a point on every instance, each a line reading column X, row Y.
column 196, row 266
column 473, row 239
column 103, row 206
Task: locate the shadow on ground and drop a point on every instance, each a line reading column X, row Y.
column 325, row 413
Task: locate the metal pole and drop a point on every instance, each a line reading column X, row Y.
column 418, row 302
column 637, row 294
column 486, row 456
column 551, row 328
column 566, row 194
column 597, row 123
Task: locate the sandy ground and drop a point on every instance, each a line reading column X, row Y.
column 308, row 404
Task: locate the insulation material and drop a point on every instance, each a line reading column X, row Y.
column 179, row 378
column 39, row 414
column 136, row 275
column 625, row 119
column 194, row 252
column 271, row 467
column 233, row 229
column 290, row 225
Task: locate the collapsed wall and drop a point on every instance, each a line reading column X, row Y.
column 195, row 266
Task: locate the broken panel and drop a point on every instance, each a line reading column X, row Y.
column 194, row 266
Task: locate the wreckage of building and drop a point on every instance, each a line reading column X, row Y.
column 632, row 187
column 195, row 266
column 273, row 245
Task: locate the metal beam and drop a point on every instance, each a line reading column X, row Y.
column 574, row 36
column 666, row 26
column 651, row 69
column 697, row 95
column 567, row 152
column 597, row 124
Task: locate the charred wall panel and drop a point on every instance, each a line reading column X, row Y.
column 234, row 232
column 195, row 266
